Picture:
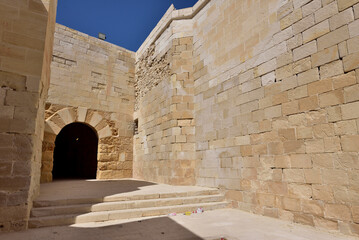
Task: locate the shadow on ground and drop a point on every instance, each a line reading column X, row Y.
column 150, row 229
column 73, row 189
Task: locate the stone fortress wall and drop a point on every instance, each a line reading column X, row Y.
column 259, row 98
column 276, row 106
column 26, row 37
column 92, row 81
column 165, row 146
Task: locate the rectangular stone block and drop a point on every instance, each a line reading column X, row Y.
column 333, row 38
column 350, row 143
column 288, row 20
column 268, row 78
column 344, row 80
column 345, row 128
column 289, row 108
column 300, row 161
column 293, row 175
column 305, row 50
column 343, row 4
column 294, row 146
column 353, row 45
column 304, row 132
column 337, row 211
column 313, row 176
column 331, row 69
column 303, row 24
column 284, row 59
column 22, row 99
column 335, row 177
column 341, row 19
column 351, row 93
column 351, row 62
column 309, row 103
column 266, row 67
column 308, row 76
column 265, row 199
column 314, row 146
column 343, row 49
column 354, row 28
column 284, row 72
column 285, row 10
column 326, row 12
column 313, row 207
column 350, row 110
column 273, row 112
column 331, row 98
column 291, row 204
column 316, row 31
column 295, row 41
column 325, row 56
column 356, row 10
column 302, row 65
column 311, row 7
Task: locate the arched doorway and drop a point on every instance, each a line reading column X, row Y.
column 75, row 153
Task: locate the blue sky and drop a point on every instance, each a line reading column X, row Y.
column 126, row 23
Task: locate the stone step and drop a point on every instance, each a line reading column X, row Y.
column 102, row 216
column 122, row 197
column 120, row 205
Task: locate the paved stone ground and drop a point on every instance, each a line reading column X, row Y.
column 229, row 223
column 73, row 189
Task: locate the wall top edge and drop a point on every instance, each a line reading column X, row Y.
column 170, row 15
column 94, row 39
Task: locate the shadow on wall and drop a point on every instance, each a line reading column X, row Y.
column 155, row 228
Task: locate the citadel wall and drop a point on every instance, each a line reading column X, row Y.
column 26, row 40
column 92, row 81
column 164, row 145
column 276, row 107
column 259, row 98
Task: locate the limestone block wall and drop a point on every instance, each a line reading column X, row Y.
column 26, row 39
column 92, row 81
column 164, row 145
column 277, row 107
column 114, row 151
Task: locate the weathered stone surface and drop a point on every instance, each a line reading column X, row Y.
column 271, row 118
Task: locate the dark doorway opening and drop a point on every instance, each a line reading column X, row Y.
column 75, row 153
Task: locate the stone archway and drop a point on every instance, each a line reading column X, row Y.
column 58, row 121
column 75, row 152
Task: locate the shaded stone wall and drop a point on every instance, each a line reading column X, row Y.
column 26, row 37
column 276, row 94
column 92, row 81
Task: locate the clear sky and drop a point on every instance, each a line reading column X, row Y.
column 126, row 23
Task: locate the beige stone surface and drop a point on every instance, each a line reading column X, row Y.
column 25, row 49
column 257, row 98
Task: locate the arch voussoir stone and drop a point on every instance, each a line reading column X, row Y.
column 95, row 119
column 81, row 114
column 66, row 116
column 105, row 132
column 51, row 127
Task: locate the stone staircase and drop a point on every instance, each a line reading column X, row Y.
column 83, row 210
